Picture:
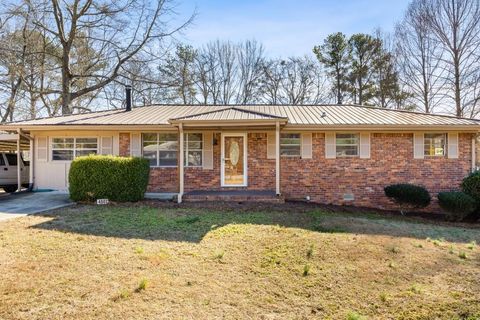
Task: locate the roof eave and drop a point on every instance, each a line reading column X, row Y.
column 385, row 127
column 252, row 123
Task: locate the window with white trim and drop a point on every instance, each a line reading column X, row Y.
column 290, row 144
column 161, row 149
column 347, row 144
column 193, row 144
column 67, row 149
column 434, row 144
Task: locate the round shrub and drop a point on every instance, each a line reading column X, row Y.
column 408, row 195
column 108, row 177
column 458, row 205
column 471, row 185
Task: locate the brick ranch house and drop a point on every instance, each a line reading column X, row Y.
column 333, row 154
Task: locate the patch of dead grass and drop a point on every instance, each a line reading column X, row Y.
column 88, row 263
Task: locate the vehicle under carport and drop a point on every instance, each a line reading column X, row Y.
column 16, row 144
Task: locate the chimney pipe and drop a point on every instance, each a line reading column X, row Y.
column 128, row 98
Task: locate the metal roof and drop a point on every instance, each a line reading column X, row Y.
column 301, row 115
column 228, row 114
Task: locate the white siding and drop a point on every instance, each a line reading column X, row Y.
column 54, row 174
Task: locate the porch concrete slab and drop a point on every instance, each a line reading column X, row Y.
column 22, row 204
column 268, row 193
column 266, row 196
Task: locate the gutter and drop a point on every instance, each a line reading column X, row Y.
column 287, row 127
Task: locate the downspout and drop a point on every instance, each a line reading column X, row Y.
column 180, row 165
column 277, row 158
column 19, row 162
column 32, row 161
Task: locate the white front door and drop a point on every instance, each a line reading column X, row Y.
column 234, row 160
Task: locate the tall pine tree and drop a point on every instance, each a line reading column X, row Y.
column 334, row 54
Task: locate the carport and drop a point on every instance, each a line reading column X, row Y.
column 18, row 142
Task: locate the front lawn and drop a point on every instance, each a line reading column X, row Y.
column 194, row 262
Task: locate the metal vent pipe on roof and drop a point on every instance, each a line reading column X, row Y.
column 128, row 98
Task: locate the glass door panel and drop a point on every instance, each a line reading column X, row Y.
column 234, row 161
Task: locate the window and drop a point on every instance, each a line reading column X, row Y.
column 290, row 144
column 193, row 149
column 2, row 161
column 160, row 149
column 346, row 144
column 434, row 144
column 67, row 149
column 11, row 159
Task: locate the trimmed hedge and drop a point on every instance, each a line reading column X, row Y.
column 108, row 177
column 458, row 205
column 408, row 195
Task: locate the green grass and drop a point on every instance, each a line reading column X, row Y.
column 142, row 285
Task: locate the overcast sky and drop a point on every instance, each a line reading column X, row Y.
column 287, row 27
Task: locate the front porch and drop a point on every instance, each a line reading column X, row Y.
column 238, row 162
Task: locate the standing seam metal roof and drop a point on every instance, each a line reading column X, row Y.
column 316, row 115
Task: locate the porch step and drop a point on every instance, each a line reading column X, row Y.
column 264, row 196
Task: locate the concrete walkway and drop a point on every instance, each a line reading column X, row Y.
column 22, row 204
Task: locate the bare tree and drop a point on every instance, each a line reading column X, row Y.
column 227, row 70
column 299, row 82
column 456, row 25
column 250, row 58
column 97, row 39
column 25, row 69
column 271, row 81
column 420, row 57
column 203, row 69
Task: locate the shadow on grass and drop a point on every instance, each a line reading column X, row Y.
column 191, row 223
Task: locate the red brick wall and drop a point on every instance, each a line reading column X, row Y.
column 327, row 180
column 163, row 180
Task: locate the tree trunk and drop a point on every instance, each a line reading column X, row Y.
column 339, row 89
column 66, row 82
column 360, row 91
column 458, row 100
column 66, row 96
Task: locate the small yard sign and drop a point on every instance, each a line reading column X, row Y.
column 102, row 201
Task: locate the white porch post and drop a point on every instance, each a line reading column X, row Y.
column 474, row 155
column 19, row 162
column 277, row 157
column 180, row 164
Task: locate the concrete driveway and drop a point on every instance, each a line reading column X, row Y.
column 18, row 205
